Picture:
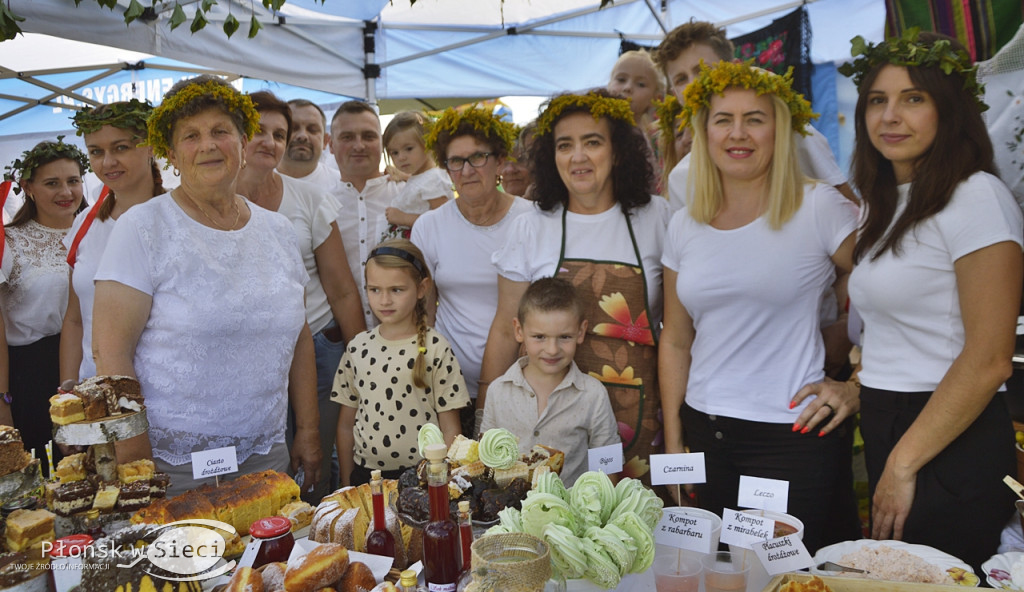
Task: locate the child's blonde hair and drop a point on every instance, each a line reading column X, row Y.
column 403, row 121
column 645, row 56
column 401, row 253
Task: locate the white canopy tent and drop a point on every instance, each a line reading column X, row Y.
column 369, row 49
column 433, row 48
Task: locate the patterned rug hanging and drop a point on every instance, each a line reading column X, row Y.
column 983, row 26
column 784, row 43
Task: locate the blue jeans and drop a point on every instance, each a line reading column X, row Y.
column 328, row 357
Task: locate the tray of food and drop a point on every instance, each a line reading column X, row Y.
column 491, row 474
column 99, row 410
column 802, row 582
column 896, row 561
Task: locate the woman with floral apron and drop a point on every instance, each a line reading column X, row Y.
column 597, row 227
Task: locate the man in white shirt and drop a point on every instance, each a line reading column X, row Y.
column 364, row 192
column 302, row 159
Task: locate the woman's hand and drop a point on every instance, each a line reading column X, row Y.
column 834, row 401
column 891, row 504
column 306, row 453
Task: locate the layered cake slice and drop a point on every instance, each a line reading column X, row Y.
column 93, row 394
column 74, row 497
column 12, row 451
column 158, row 485
column 66, row 408
column 133, row 496
column 106, row 496
column 26, row 528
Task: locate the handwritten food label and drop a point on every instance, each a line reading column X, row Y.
column 763, row 494
column 744, row 530
column 677, row 469
column 783, row 554
column 607, row 459
column 210, row 463
column 677, row 529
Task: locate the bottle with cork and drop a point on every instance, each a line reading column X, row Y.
column 379, row 541
column 442, row 556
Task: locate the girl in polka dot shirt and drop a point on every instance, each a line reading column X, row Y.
column 398, row 376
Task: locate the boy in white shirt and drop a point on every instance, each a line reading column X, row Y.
column 544, row 398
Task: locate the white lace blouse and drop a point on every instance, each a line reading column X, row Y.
column 214, row 356
column 33, row 282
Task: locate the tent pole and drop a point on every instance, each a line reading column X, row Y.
column 657, row 17
column 371, row 72
column 761, row 13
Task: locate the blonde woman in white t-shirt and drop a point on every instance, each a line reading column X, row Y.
column 747, row 266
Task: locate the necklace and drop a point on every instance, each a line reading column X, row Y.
column 234, row 203
column 491, row 218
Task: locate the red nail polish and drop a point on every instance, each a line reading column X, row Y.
column 821, row 434
column 796, row 427
column 805, row 430
column 792, row 404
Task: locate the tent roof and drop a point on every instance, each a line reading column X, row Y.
column 433, row 48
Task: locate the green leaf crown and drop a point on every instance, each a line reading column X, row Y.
column 23, row 168
column 907, row 50
column 130, row 115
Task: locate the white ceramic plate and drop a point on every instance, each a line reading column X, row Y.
column 997, row 570
column 947, row 562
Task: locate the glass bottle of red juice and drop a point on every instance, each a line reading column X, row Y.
column 441, row 553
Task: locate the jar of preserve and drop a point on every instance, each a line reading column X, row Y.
column 66, row 560
column 275, row 539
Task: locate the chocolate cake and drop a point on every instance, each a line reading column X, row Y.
column 158, row 485
column 93, row 394
column 70, row 498
column 133, row 496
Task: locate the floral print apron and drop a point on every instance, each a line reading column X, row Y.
column 620, row 349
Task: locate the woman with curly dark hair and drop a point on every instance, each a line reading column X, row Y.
column 596, row 226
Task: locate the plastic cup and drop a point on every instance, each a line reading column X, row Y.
column 677, row 573
column 725, row 571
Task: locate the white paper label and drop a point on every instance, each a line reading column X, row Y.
column 783, row 554
column 210, row 463
column 607, row 459
column 681, row 531
column 744, row 530
column 763, row 494
column 677, row 469
column 249, row 555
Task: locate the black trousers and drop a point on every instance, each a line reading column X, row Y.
column 819, row 470
column 960, row 504
column 35, row 376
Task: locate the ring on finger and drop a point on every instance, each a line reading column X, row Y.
column 831, row 409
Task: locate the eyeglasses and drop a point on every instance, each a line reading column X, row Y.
column 475, row 160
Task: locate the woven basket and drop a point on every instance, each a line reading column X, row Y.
column 513, row 562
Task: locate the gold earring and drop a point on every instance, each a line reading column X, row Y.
column 243, row 163
column 176, row 172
